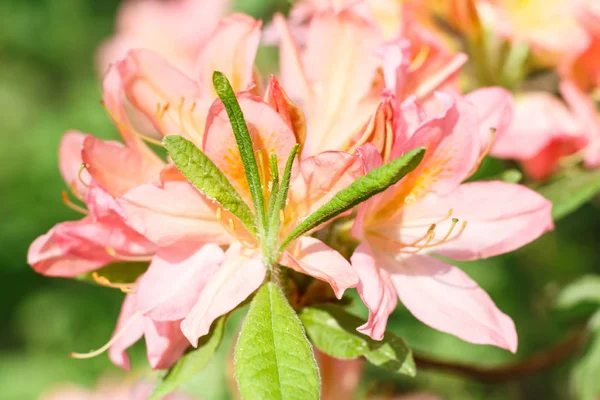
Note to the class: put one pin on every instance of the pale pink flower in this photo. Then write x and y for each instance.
(585, 111)
(336, 77)
(432, 211)
(550, 27)
(543, 131)
(584, 67)
(176, 102)
(175, 29)
(174, 212)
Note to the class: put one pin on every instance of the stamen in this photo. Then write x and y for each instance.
(485, 152)
(419, 59)
(112, 340)
(121, 126)
(83, 166)
(231, 225)
(104, 281)
(448, 215)
(180, 113)
(73, 190)
(218, 214)
(123, 257)
(71, 205)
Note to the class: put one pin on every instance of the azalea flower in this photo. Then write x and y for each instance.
(542, 132)
(431, 211)
(336, 77)
(176, 212)
(584, 67)
(174, 102)
(549, 27)
(585, 111)
(175, 29)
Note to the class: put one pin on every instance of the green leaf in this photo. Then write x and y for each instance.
(190, 363)
(205, 175)
(360, 190)
(584, 378)
(584, 290)
(273, 358)
(120, 272)
(333, 331)
(244, 142)
(571, 191)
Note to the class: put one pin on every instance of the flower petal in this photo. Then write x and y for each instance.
(130, 328)
(495, 108)
(313, 257)
(116, 168)
(239, 276)
(500, 217)
(231, 50)
(269, 133)
(69, 162)
(176, 211)
(164, 342)
(445, 298)
(376, 291)
(175, 278)
(277, 98)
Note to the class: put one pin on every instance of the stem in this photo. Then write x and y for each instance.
(536, 363)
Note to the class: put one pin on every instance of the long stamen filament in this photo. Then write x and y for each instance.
(123, 257)
(485, 152)
(71, 205)
(81, 168)
(103, 281)
(112, 340)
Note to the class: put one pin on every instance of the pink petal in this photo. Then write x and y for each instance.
(175, 278)
(445, 298)
(231, 49)
(130, 328)
(376, 291)
(116, 168)
(113, 99)
(165, 95)
(176, 211)
(317, 180)
(164, 342)
(587, 115)
(69, 162)
(239, 276)
(312, 257)
(495, 108)
(500, 217)
(269, 133)
(293, 77)
(277, 98)
(539, 119)
(47, 256)
(452, 142)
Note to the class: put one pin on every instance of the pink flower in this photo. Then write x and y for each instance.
(543, 130)
(586, 113)
(175, 214)
(337, 77)
(175, 29)
(102, 236)
(432, 211)
(550, 27)
(177, 103)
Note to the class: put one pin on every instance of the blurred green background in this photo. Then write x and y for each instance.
(48, 84)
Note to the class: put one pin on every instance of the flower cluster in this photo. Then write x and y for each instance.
(362, 86)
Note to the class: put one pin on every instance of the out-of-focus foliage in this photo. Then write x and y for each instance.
(48, 84)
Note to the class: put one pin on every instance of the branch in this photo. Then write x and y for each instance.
(538, 362)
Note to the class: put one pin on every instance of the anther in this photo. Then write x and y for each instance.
(104, 281)
(218, 214)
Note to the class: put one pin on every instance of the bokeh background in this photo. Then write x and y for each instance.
(49, 84)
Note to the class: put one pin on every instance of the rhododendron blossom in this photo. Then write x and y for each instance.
(432, 211)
